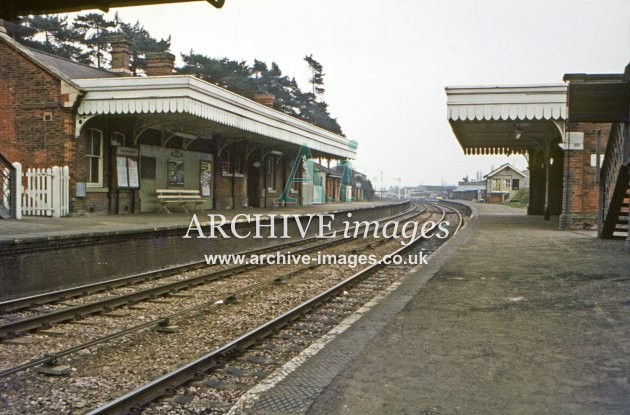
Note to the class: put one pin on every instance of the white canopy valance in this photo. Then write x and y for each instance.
(186, 94)
(507, 103)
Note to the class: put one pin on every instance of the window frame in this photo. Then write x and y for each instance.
(89, 157)
(226, 162)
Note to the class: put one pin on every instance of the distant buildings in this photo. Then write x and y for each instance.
(474, 191)
(503, 183)
(426, 192)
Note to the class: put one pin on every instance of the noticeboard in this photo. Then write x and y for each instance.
(127, 168)
(127, 172)
(121, 172)
(132, 172)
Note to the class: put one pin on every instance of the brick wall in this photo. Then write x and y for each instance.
(73, 261)
(580, 184)
(35, 129)
(223, 190)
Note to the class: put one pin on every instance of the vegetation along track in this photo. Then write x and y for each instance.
(95, 378)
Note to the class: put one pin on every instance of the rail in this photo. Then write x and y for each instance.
(51, 358)
(133, 401)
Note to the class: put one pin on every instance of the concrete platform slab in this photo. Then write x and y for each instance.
(47, 228)
(511, 316)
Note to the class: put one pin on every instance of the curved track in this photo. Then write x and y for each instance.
(151, 294)
(134, 401)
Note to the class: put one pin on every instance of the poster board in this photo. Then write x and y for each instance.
(205, 178)
(132, 172)
(175, 173)
(121, 172)
(127, 168)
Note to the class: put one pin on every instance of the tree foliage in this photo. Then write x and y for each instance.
(86, 38)
(317, 75)
(94, 31)
(248, 80)
(50, 34)
(368, 189)
(141, 43)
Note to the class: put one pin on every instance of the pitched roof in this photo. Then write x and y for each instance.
(68, 67)
(323, 169)
(503, 167)
(59, 67)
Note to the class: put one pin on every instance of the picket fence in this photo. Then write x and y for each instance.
(45, 192)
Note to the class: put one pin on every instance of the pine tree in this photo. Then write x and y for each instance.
(142, 42)
(232, 75)
(94, 30)
(284, 89)
(317, 78)
(58, 38)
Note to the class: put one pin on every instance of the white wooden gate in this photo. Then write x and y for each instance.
(46, 192)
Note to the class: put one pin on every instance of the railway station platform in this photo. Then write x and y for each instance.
(510, 316)
(42, 254)
(41, 227)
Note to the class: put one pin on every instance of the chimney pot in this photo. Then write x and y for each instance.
(265, 99)
(159, 63)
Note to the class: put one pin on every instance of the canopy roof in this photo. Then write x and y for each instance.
(506, 119)
(11, 9)
(183, 103)
(599, 97)
(185, 96)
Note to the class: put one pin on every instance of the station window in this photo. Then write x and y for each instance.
(119, 139)
(515, 184)
(270, 173)
(238, 162)
(94, 158)
(226, 161)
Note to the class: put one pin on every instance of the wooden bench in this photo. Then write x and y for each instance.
(178, 197)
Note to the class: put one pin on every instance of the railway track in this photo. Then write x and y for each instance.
(108, 303)
(159, 319)
(260, 294)
(134, 401)
(60, 296)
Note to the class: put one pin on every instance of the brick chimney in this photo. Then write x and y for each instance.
(265, 99)
(159, 63)
(121, 54)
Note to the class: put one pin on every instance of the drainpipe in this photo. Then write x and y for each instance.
(547, 157)
(233, 176)
(598, 137)
(284, 178)
(265, 182)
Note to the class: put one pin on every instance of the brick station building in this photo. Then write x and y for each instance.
(124, 137)
(564, 158)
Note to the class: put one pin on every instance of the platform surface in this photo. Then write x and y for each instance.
(38, 227)
(511, 316)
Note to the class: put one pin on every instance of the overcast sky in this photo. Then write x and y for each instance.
(386, 63)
